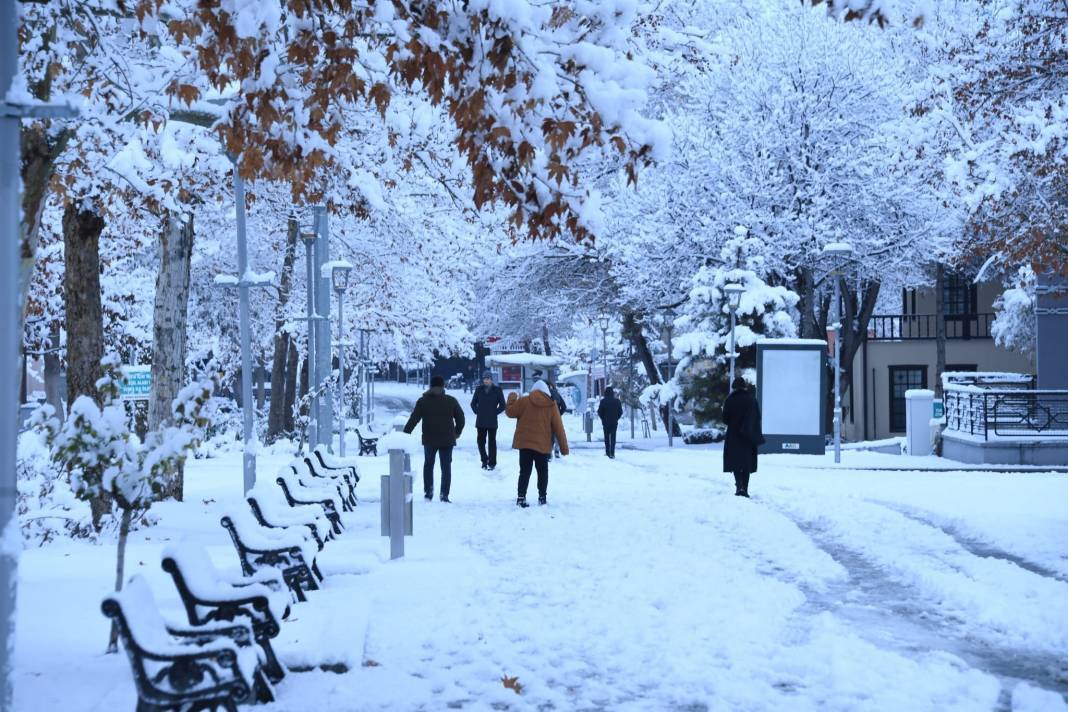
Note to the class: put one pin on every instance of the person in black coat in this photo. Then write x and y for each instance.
(741, 413)
(610, 410)
(443, 421)
(487, 403)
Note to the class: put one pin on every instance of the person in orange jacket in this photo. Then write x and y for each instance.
(539, 420)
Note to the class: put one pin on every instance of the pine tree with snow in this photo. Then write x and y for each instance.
(703, 349)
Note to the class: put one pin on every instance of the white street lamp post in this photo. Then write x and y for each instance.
(839, 252)
(734, 298)
(339, 279)
(312, 314)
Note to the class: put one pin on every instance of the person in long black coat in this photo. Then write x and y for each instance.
(487, 403)
(741, 413)
(443, 421)
(610, 410)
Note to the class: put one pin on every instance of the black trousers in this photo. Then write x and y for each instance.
(529, 459)
(444, 455)
(610, 439)
(489, 434)
(741, 482)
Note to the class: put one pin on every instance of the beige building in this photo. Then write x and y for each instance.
(900, 354)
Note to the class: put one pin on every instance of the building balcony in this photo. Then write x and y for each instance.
(922, 327)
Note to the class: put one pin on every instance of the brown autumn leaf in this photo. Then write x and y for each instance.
(512, 683)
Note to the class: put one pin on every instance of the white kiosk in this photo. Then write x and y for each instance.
(791, 383)
(516, 371)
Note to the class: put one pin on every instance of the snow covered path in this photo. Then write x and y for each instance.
(644, 585)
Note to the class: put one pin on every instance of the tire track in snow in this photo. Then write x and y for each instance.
(891, 614)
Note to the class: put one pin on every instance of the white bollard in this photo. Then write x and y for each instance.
(918, 411)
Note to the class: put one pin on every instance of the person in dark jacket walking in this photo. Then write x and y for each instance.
(741, 413)
(443, 421)
(487, 403)
(610, 410)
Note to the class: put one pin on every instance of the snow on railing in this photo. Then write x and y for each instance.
(1005, 412)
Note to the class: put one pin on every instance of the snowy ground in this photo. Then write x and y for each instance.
(644, 585)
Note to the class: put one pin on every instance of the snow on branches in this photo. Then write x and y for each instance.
(535, 91)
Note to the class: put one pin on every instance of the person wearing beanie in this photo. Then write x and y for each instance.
(443, 421)
(487, 403)
(741, 413)
(539, 420)
(610, 410)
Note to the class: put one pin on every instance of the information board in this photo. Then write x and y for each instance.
(138, 383)
(791, 382)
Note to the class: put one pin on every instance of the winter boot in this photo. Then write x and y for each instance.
(521, 502)
(541, 500)
(428, 497)
(444, 498)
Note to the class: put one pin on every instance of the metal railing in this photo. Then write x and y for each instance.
(1007, 412)
(916, 327)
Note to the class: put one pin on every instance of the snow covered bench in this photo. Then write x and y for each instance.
(271, 516)
(297, 494)
(285, 549)
(328, 486)
(208, 597)
(347, 473)
(368, 446)
(185, 667)
(316, 475)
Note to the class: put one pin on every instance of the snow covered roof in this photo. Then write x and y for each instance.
(523, 360)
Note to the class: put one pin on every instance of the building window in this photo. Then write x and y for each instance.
(903, 378)
(959, 295)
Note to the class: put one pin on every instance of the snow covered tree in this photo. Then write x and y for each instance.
(103, 457)
(1014, 322)
(702, 347)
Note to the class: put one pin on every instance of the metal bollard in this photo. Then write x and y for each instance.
(397, 502)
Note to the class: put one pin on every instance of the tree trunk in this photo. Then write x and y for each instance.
(281, 397)
(292, 366)
(632, 329)
(940, 329)
(53, 372)
(169, 329)
(81, 301)
(120, 568)
(260, 384)
(855, 323)
(808, 305)
(545, 339)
